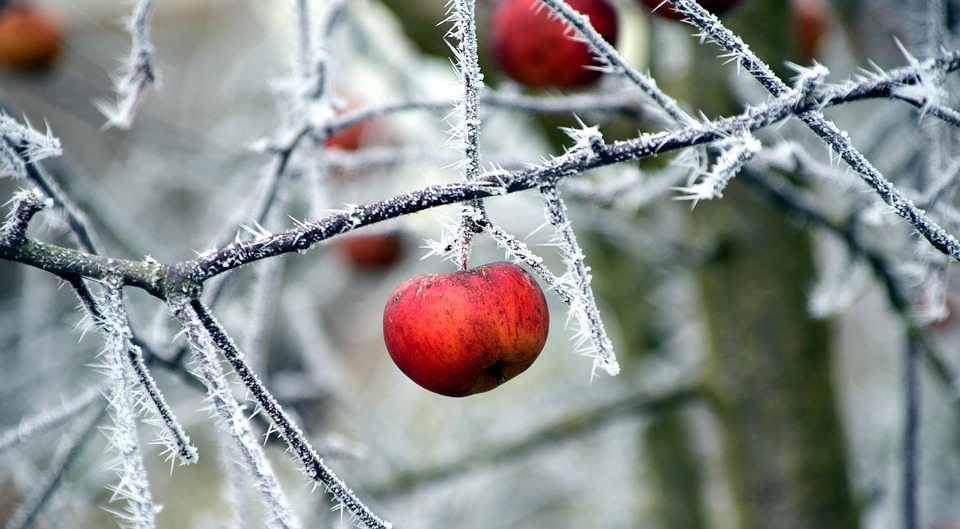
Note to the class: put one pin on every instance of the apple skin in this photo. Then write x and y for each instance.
(717, 7)
(30, 39)
(468, 331)
(536, 49)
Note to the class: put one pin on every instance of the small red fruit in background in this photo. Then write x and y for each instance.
(468, 331)
(535, 48)
(350, 138)
(810, 24)
(664, 9)
(371, 251)
(30, 39)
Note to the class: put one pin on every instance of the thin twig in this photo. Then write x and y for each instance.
(313, 465)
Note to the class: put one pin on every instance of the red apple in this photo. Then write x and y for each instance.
(468, 331)
(371, 251)
(664, 9)
(810, 24)
(29, 38)
(536, 49)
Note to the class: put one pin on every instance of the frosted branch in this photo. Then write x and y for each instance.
(518, 250)
(232, 419)
(24, 205)
(137, 75)
(712, 184)
(608, 55)
(583, 306)
(156, 278)
(467, 131)
(21, 145)
(134, 487)
(313, 465)
(835, 138)
(77, 221)
(113, 319)
(70, 448)
(48, 420)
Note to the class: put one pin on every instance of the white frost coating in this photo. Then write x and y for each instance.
(586, 139)
(46, 420)
(135, 76)
(583, 305)
(232, 419)
(732, 159)
(258, 231)
(838, 140)
(140, 512)
(33, 144)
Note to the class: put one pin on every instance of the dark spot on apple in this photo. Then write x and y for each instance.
(497, 371)
(396, 299)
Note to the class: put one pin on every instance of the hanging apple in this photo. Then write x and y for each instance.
(536, 49)
(468, 331)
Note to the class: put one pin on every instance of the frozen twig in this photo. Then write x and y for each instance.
(25, 205)
(21, 149)
(173, 436)
(156, 278)
(608, 55)
(567, 427)
(233, 420)
(48, 420)
(712, 184)
(22, 145)
(70, 448)
(466, 133)
(583, 305)
(113, 319)
(134, 487)
(711, 28)
(520, 251)
(194, 314)
(137, 75)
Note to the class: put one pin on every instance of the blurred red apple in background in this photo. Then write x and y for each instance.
(371, 251)
(810, 24)
(30, 39)
(352, 137)
(468, 331)
(535, 48)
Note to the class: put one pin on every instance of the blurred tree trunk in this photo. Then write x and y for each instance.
(769, 379)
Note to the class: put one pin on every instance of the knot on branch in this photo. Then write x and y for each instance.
(805, 91)
(180, 282)
(588, 141)
(26, 204)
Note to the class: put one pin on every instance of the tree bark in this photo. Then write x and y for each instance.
(769, 380)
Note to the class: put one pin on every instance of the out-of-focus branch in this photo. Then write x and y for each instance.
(568, 427)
